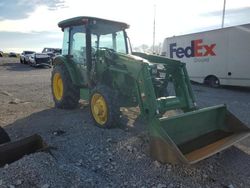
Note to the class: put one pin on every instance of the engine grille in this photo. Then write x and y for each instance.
(43, 60)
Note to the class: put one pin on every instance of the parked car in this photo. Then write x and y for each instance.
(1, 54)
(12, 54)
(52, 52)
(40, 59)
(24, 57)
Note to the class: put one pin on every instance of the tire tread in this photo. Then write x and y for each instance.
(71, 93)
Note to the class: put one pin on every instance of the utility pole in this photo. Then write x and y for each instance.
(154, 31)
(223, 14)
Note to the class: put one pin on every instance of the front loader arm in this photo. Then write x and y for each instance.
(177, 71)
(146, 94)
(131, 76)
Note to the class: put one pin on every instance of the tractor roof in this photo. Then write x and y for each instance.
(82, 20)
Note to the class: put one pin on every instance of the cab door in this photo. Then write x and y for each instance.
(77, 51)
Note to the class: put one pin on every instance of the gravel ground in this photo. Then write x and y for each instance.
(87, 156)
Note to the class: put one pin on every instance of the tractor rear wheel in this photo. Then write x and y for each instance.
(104, 106)
(65, 94)
(4, 137)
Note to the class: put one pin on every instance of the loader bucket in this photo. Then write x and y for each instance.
(12, 151)
(193, 136)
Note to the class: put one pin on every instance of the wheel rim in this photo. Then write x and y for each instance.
(99, 108)
(214, 82)
(58, 86)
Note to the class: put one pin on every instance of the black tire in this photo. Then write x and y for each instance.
(34, 64)
(24, 61)
(212, 81)
(70, 94)
(21, 61)
(4, 137)
(113, 108)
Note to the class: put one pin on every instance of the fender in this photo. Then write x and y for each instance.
(71, 67)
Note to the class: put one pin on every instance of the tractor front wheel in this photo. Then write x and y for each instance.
(212, 81)
(104, 106)
(65, 94)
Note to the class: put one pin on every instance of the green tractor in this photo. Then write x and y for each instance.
(98, 65)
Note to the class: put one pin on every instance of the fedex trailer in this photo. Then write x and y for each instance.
(216, 57)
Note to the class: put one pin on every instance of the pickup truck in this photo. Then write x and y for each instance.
(52, 52)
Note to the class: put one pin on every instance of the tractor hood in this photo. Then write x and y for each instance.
(152, 66)
(136, 58)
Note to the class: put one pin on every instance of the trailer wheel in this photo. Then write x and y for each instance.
(4, 137)
(212, 81)
(65, 94)
(104, 106)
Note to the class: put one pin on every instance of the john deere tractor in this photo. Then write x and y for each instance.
(98, 65)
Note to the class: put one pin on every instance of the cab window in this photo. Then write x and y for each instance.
(114, 41)
(78, 44)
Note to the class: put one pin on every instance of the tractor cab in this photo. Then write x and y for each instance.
(84, 36)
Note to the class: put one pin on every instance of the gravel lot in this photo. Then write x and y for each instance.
(87, 156)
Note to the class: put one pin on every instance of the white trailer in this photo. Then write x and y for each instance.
(216, 57)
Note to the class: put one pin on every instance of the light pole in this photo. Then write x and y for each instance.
(223, 14)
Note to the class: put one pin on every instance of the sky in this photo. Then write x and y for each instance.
(32, 24)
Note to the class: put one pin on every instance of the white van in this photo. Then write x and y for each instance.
(217, 57)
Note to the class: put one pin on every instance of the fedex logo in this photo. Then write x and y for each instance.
(197, 49)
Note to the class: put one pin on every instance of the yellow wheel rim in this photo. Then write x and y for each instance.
(99, 109)
(57, 86)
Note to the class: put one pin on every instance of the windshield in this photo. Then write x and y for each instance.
(29, 52)
(75, 39)
(114, 41)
